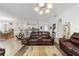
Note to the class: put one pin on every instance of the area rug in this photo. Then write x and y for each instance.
(42, 51)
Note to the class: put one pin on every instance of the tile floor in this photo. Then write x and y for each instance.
(11, 46)
(42, 51)
(14, 48)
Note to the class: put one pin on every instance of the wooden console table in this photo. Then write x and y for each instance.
(7, 35)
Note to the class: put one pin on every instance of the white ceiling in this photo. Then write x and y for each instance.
(24, 12)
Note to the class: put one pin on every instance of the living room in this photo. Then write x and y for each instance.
(39, 29)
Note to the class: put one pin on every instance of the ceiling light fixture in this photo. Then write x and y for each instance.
(40, 12)
(47, 11)
(43, 8)
(36, 9)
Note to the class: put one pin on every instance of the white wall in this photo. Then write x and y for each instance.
(1, 27)
(72, 16)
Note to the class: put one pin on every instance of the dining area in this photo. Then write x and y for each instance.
(7, 34)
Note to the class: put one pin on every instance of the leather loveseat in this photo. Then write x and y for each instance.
(40, 38)
(70, 46)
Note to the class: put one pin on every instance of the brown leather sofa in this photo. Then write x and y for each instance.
(70, 46)
(40, 38)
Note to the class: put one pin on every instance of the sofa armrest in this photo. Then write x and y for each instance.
(52, 38)
(61, 40)
(64, 39)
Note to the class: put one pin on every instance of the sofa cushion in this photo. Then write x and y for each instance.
(76, 41)
(34, 37)
(33, 40)
(45, 36)
(71, 47)
(46, 39)
(67, 44)
(34, 33)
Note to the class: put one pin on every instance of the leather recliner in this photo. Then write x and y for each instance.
(70, 46)
(40, 38)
